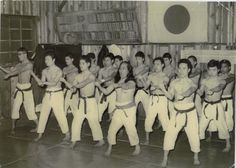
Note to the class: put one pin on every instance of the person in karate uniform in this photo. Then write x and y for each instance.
(88, 107)
(53, 97)
(212, 109)
(157, 100)
(23, 92)
(125, 111)
(182, 90)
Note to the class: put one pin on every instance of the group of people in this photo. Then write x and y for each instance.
(183, 98)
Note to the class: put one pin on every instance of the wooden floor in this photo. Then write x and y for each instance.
(19, 151)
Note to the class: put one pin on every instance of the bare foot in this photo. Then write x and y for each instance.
(108, 152)
(100, 143)
(196, 162)
(33, 130)
(38, 138)
(146, 142)
(208, 139)
(72, 145)
(137, 150)
(13, 132)
(226, 149)
(164, 163)
(66, 138)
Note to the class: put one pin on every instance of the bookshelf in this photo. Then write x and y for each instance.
(118, 26)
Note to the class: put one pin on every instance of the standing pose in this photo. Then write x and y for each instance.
(212, 110)
(125, 111)
(88, 107)
(106, 78)
(157, 100)
(53, 98)
(94, 67)
(227, 97)
(140, 74)
(23, 92)
(195, 75)
(71, 98)
(184, 116)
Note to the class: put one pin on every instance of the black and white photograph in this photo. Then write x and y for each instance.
(117, 84)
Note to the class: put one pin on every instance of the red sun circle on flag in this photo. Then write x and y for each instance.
(176, 19)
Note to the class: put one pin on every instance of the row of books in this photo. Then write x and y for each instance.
(116, 26)
(105, 36)
(111, 17)
(104, 5)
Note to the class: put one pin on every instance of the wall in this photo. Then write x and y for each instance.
(221, 24)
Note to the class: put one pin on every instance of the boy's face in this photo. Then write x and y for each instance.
(83, 65)
(224, 68)
(49, 61)
(68, 60)
(213, 71)
(157, 66)
(21, 55)
(117, 62)
(123, 71)
(140, 60)
(183, 70)
(107, 62)
(167, 61)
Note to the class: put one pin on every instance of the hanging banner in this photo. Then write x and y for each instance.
(177, 22)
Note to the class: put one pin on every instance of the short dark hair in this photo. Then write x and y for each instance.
(167, 55)
(109, 55)
(118, 57)
(140, 54)
(213, 63)
(185, 61)
(159, 59)
(86, 59)
(225, 61)
(91, 55)
(192, 57)
(69, 55)
(22, 49)
(50, 53)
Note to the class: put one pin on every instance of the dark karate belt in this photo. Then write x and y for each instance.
(183, 112)
(123, 107)
(85, 102)
(50, 92)
(104, 97)
(226, 105)
(140, 88)
(156, 95)
(72, 94)
(211, 103)
(22, 92)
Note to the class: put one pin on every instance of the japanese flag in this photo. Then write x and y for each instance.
(175, 22)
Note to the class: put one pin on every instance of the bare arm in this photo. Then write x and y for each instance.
(55, 81)
(82, 84)
(189, 92)
(218, 88)
(145, 70)
(4, 70)
(66, 83)
(170, 93)
(229, 79)
(107, 90)
(126, 86)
